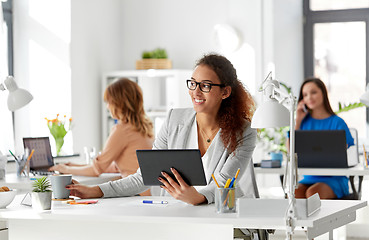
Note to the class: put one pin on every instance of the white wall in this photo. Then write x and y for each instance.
(288, 42)
(96, 47)
(111, 35)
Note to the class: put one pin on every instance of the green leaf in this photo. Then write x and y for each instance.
(349, 107)
(41, 185)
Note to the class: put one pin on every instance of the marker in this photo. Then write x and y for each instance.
(154, 202)
(227, 183)
(16, 159)
(232, 182)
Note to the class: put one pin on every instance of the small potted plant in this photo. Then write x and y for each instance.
(155, 59)
(41, 194)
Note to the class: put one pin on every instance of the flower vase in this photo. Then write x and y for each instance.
(59, 142)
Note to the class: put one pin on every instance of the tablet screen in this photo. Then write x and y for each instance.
(187, 162)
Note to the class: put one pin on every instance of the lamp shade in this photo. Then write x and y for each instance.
(18, 97)
(270, 114)
(365, 97)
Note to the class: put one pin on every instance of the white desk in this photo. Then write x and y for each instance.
(129, 218)
(352, 172)
(356, 171)
(25, 184)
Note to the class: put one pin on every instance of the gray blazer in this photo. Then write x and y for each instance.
(174, 135)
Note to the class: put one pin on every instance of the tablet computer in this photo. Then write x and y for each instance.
(187, 162)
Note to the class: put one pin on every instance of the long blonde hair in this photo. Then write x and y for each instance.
(126, 103)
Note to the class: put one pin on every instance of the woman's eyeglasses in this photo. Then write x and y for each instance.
(204, 86)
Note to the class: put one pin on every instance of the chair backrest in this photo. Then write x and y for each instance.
(353, 151)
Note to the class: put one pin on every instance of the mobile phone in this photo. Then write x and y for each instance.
(305, 108)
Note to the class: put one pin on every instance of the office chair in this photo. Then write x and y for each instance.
(353, 159)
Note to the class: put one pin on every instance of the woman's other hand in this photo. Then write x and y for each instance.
(301, 113)
(83, 191)
(181, 190)
(61, 168)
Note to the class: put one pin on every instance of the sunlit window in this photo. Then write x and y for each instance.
(339, 60)
(335, 47)
(317, 5)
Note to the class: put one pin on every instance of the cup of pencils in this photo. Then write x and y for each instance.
(23, 163)
(225, 200)
(225, 197)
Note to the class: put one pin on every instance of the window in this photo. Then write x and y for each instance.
(336, 51)
(317, 5)
(6, 68)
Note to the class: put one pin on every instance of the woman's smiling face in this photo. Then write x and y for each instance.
(312, 95)
(206, 102)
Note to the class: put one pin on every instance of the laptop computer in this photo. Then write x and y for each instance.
(187, 162)
(42, 159)
(321, 148)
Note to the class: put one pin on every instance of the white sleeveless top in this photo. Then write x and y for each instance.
(192, 143)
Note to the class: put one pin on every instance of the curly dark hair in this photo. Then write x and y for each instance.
(237, 108)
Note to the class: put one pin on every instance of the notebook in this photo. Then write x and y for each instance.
(42, 159)
(321, 148)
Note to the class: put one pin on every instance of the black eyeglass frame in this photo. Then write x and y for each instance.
(203, 82)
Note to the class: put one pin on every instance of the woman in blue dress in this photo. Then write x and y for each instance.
(314, 112)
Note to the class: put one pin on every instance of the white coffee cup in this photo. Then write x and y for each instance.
(58, 184)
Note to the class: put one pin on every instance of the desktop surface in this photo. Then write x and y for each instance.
(126, 217)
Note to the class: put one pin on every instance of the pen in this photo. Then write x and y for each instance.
(365, 157)
(212, 175)
(29, 158)
(234, 179)
(227, 183)
(232, 182)
(16, 159)
(154, 202)
(238, 171)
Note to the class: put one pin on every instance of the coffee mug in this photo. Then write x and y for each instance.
(58, 184)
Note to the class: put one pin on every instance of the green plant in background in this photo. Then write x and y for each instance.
(274, 139)
(351, 106)
(158, 53)
(41, 185)
(58, 130)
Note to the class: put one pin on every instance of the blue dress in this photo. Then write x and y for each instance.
(339, 184)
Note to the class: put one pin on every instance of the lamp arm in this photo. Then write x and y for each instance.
(271, 89)
(289, 102)
(291, 215)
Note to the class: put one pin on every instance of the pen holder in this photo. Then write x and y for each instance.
(3, 162)
(22, 168)
(225, 200)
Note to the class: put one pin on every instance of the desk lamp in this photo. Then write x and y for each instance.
(365, 97)
(278, 110)
(18, 97)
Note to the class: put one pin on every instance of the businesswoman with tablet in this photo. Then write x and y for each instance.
(218, 125)
(133, 131)
(314, 112)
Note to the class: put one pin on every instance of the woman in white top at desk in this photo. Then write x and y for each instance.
(314, 112)
(218, 124)
(133, 131)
